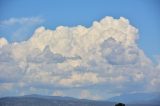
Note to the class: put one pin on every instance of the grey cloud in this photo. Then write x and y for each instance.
(116, 54)
(5, 57)
(10, 72)
(45, 56)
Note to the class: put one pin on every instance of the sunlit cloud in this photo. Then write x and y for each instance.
(105, 54)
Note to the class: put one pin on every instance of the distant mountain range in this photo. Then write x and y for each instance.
(40, 100)
(50, 97)
(138, 98)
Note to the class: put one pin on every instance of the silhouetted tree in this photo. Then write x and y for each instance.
(119, 104)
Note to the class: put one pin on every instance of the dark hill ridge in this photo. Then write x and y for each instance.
(39, 100)
(50, 97)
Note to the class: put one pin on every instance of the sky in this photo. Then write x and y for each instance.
(54, 29)
(143, 14)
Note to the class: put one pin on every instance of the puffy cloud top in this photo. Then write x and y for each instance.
(3, 42)
(74, 40)
(106, 54)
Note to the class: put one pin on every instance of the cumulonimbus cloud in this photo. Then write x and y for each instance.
(104, 54)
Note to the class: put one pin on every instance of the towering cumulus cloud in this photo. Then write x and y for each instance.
(104, 56)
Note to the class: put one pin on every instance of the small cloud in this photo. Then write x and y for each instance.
(21, 21)
(3, 42)
(85, 94)
(6, 86)
(58, 93)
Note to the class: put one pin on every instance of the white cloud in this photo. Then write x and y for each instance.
(85, 94)
(81, 79)
(3, 42)
(6, 86)
(106, 54)
(24, 20)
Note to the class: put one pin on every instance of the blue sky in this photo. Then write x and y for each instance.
(77, 65)
(144, 14)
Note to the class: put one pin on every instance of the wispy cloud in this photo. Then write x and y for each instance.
(18, 29)
(22, 21)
